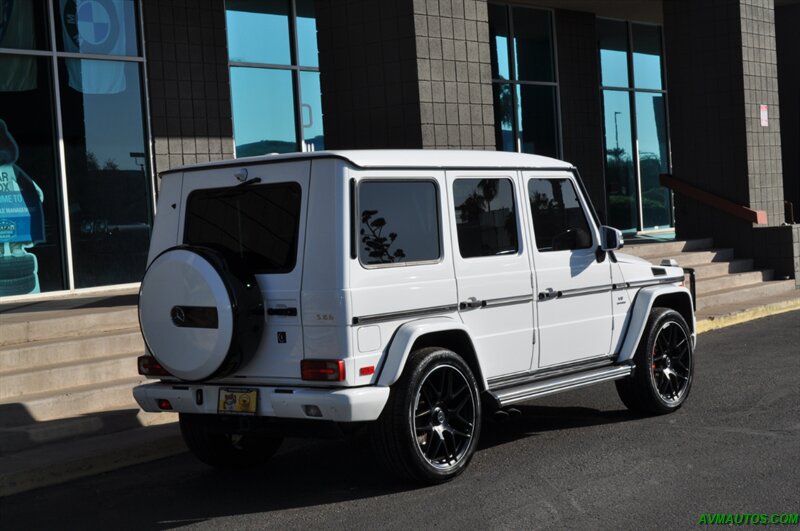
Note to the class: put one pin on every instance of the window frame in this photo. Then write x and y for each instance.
(581, 201)
(515, 82)
(517, 215)
(294, 67)
(356, 221)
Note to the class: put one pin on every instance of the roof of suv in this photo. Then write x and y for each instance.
(407, 158)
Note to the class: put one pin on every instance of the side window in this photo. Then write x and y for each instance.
(559, 222)
(399, 222)
(486, 220)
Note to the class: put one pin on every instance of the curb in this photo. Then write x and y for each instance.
(750, 314)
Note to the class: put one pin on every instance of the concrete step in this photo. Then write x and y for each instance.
(40, 354)
(66, 375)
(716, 269)
(18, 328)
(708, 285)
(19, 438)
(75, 401)
(741, 294)
(59, 462)
(646, 250)
(695, 258)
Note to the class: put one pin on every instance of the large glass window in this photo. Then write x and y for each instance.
(275, 89)
(486, 220)
(635, 122)
(85, 223)
(524, 80)
(399, 222)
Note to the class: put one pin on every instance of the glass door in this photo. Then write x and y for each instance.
(636, 135)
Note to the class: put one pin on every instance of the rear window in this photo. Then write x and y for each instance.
(258, 223)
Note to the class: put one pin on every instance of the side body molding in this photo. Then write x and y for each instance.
(646, 298)
(403, 341)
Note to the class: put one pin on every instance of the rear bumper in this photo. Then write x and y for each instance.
(338, 405)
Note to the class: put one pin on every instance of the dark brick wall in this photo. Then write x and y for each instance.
(189, 86)
(721, 67)
(368, 67)
(405, 73)
(581, 111)
(779, 248)
(455, 74)
(787, 36)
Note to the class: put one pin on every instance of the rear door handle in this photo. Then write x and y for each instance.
(548, 294)
(471, 304)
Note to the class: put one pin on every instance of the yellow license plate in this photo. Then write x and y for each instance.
(238, 401)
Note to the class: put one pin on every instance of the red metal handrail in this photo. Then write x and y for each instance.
(715, 201)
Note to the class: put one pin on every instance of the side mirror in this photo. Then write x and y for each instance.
(611, 238)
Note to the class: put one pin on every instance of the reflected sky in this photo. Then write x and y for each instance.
(263, 105)
(258, 32)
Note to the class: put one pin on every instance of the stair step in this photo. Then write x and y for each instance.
(59, 462)
(743, 293)
(17, 328)
(19, 438)
(82, 400)
(66, 375)
(645, 250)
(715, 269)
(695, 258)
(708, 285)
(39, 354)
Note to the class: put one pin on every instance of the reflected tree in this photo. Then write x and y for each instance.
(375, 243)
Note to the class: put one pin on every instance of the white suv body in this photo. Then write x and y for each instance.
(364, 258)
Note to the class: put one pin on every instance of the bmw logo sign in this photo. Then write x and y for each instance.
(92, 25)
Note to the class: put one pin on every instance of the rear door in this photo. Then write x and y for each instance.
(492, 269)
(258, 212)
(574, 304)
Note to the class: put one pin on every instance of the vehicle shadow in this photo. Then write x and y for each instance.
(310, 473)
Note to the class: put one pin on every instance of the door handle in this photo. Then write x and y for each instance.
(471, 304)
(548, 294)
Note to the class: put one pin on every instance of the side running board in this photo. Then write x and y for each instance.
(549, 386)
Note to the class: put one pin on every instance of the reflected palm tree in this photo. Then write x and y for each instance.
(377, 245)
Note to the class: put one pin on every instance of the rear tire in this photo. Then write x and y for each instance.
(429, 429)
(664, 369)
(226, 450)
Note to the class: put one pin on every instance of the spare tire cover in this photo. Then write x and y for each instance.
(201, 313)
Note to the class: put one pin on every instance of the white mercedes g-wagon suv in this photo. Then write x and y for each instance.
(413, 293)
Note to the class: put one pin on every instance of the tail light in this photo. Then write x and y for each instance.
(148, 366)
(322, 370)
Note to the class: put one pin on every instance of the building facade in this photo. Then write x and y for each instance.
(98, 96)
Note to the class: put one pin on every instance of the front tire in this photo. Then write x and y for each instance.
(664, 369)
(218, 448)
(430, 427)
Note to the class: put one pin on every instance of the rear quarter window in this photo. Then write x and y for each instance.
(260, 224)
(398, 222)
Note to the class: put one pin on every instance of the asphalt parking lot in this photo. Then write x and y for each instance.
(573, 461)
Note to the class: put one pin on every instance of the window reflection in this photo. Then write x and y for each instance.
(258, 32)
(31, 253)
(647, 56)
(23, 25)
(653, 158)
(104, 28)
(538, 122)
(306, 34)
(106, 175)
(498, 41)
(504, 117)
(486, 219)
(399, 222)
(533, 45)
(311, 115)
(620, 176)
(263, 111)
(612, 36)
